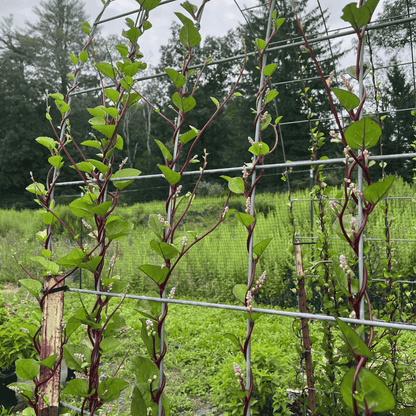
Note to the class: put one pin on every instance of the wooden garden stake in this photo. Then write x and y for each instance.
(305, 327)
(51, 344)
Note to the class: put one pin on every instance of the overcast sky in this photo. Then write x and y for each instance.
(219, 16)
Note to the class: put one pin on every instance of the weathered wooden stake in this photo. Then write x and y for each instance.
(305, 327)
(53, 311)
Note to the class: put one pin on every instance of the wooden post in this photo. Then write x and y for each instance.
(305, 326)
(53, 311)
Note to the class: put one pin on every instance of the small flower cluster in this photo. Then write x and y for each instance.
(329, 81)
(80, 376)
(110, 287)
(261, 280)
(238, 373)
(150, 330)
(251, 141)
(245, 173)
(264, 116)
(151, 380)
(184, 240)
(353, 222)
(248, 205)
(63, 324)
(15, 389)
(24, 330)
(79, 356)
(343, 264)
(126, 329)
(352, 189)
(123, 163)
(366, 155)
(172, 293)
(333, 205)
(249, 299)
(303, 49)
(84, 326)
(266, 94)
(149, 411)
(113, 261)
(335, 137)
(162, 220)
(226, 209)
(178, 190)
(346, 83)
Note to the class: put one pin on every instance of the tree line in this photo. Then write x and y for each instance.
(37, 58)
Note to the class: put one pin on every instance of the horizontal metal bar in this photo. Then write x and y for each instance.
(410, 240)
(395, 281)
(68, 406)
(341, 199)
(272, 166)
(276, 48)
(128, 13)
(316, 317)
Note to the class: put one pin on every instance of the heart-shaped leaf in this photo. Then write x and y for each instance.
(366, 131)
(240, 291)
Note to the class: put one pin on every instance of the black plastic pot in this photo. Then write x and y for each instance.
(7, 396)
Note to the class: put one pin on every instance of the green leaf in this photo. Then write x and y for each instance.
(370, 388)
(232, 338)
(48, 218)
(49, 362)
(113, 95)
(74, 59)
(92, 143)
(271, 96)
(165, 250)
(46, 253)
(138, 405)
(27, 369)
(62, 106)
(81, 207)
(253, 316)
(260, 247)
(97, 121)
(185, 20)
(177, 78)
(171, 176)
(56, 161)
(115, 230)
(261, 44)
(110, 389)
(165, 152)
(71, 326)
(123, 49)
(149, 308)
(357, 17)
(156, 273)
(189, 135)
(106, 69)
(83, 56)
(265, 123)
(229, 212)
(48, 265)
(239, 292)
(78, 387)
(215, 101)
(269, 69)
(379, 190)
(190, 8)
(146, 25)
(99, 165)
(189, 36)
(101, 209)
(33, 286)
(107, 130)
(355, 343)
(279, 23)
(156, 226)
(259, 148)
(125, 173)
(57, 96)
(150, 4)
(352, 70)
(348, 100)
(185, 104)
(73, 259)
(84, 167)
(236, 185)
(48, 142)
(36, 188)
(145, 369)
(365, 131)
(245, 219)
(132, 34)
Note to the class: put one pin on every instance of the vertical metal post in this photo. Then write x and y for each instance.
(253, 178)
(310, 189)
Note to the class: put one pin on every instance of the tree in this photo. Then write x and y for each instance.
(398, 133)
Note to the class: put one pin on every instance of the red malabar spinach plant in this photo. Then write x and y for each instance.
(362, 390)
(171, 244)
(240, 185)
(98, 208)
